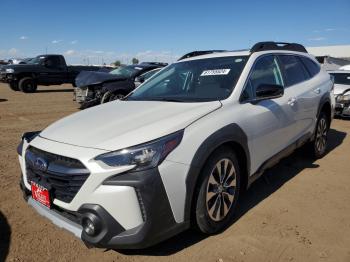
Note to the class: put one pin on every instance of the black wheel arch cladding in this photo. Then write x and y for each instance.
(233, 136)
(325, 105)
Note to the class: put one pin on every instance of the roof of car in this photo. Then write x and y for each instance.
(260, 47)
(239, 53)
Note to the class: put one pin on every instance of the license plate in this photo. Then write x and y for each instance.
(41, 194)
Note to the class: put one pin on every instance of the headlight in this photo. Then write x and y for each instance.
(143, 156)
(343, 98)
(10, 70)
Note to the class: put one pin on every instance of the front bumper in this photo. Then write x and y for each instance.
(158, 220)
(7, 78)
(80, 94)
(342, 109)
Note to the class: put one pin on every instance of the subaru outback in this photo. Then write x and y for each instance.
(178, 151)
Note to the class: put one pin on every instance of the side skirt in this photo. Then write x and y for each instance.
(276, 158)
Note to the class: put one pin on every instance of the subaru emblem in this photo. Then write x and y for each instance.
(40, 164)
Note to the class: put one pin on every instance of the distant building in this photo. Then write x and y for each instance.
(337, 51)
(331, 57)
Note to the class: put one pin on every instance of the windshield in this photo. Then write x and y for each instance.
(35, 61)
(126, 71)
(193, 81)
(341, 78)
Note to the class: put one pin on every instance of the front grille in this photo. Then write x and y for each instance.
(63, 176)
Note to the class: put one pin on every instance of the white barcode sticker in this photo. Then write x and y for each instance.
(215, 72)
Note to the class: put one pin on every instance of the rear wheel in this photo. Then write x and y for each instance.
(27, 85)
(14, 86)
(218, 193)
(319, 144)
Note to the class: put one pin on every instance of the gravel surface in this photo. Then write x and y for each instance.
(300, 212)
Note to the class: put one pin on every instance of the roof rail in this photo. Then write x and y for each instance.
(264, 46)
(198, 53)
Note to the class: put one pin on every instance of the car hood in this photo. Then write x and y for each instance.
(121, 124)
(340, 89)
(86, 78)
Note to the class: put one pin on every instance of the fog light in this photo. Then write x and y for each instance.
(91, 224)
(89, 227)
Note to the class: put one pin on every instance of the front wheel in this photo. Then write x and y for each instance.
(27, 85)
(218, 193)
(14, 86)
(319, 144)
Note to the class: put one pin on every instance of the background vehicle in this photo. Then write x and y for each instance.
(341, 92)
(94, 88)
(178, 150)
(42, 70)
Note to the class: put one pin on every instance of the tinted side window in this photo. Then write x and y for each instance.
(310, 65)
(293, 69)
(265, 71)
(54, 62)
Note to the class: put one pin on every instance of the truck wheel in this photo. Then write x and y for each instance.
(27, 85)
(218, 191)
(14, 86)
(319, 144)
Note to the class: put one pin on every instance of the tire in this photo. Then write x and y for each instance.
(109, 96)
(14, 86)
(27, 85)
(319, 143)
(211, 216)
(106, 97)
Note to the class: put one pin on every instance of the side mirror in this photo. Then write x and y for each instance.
(268, 91)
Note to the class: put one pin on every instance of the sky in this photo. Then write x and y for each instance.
(154, 30)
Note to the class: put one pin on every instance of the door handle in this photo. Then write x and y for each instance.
(317, 90)
(292, 101)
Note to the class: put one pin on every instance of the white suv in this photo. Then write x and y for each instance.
(179, 149)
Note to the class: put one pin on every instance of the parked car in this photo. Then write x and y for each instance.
(341, 92)
(180, 148)
(42, 70)
(94, 88)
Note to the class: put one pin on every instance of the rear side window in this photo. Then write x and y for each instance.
(311, 66)
(293, 69)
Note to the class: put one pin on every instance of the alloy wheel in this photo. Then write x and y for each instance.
(321, 135)
(221, 189)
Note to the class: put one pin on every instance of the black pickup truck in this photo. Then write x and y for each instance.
(41, 70)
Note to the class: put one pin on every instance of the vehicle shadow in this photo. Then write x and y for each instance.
(3, 100)
(266, 185)
(5, 237)
(55, 90)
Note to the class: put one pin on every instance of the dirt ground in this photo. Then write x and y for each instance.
(300, 212)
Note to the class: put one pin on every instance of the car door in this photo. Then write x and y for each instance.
(304, 92)
(55, 70)
(267, 123)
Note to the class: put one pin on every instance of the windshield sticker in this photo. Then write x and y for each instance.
(215, 72)
(238, 60)
(138, 68)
